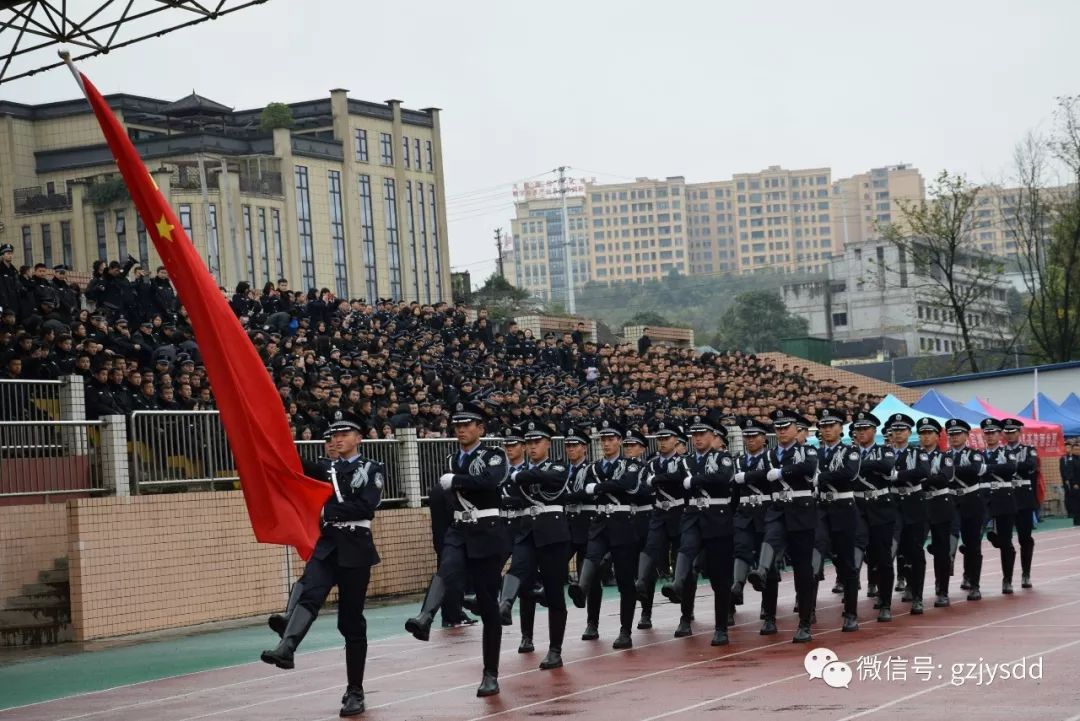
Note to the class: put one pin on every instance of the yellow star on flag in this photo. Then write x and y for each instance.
(164, 229)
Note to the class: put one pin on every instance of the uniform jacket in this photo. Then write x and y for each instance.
(839, 467)
(478, 478)
(799, 466)
(619, 485)
(710, 478)
(665, 476)
(1001, 468)
(1027, 468)
(579, 521)
(544, 484)
(970, 467)
(875, 474)
(360, 482)
(940, 509)
(911, 469)
(752, 516)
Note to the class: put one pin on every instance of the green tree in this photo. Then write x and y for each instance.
(276, 115)
(502, 299)
(648, 318)
(756, 322)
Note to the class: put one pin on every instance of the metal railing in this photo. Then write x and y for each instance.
(185, 450)
(29, 400)
(52, 457)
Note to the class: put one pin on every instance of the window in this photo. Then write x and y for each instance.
(367, 228)
(213, 249)
(121, 236)
(140, 236)
(27, 245)
(839, 319)
(337, 235)
(46, 245)
(360, 138)
(435, 242)
(65, 243)
(275, 228)
(393, 246)
(405, 150)
(303, 222)
(430, 156)
(249, 243)
(386, 149)
(423, 239)
(416, 154)
(264, 246)
(411, 225)
(102, 239)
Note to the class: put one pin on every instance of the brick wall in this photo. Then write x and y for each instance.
(31, 538)
(146, 563)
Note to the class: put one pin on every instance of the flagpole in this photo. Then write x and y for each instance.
(66, 57)
(1035, 407)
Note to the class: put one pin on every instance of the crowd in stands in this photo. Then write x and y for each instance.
(395, 364)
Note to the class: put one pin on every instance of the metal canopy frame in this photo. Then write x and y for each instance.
(31, 29)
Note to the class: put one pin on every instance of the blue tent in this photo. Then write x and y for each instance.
(941, 406)
(1072, 405)
(889, 406)
(1053, 413)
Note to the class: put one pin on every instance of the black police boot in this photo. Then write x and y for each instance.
(673, 591)
(838, 587)
(526, 645)
(510, 586)
(553, 659)
(768, 627)
(976, 572)
(719, 637)
(591, 632)
(901, 584)
(765, 561)
(623, 640)
(942, 595)
(468, 602)
(965, 584)
(1025, 580)
(352, 704)
(646, 577)
(884, 615)
(741, 571)
(683, 628)
(489, 685)
(992, 536)
(645, 622)
(299, 624)
(802, 635)
(1008, 561)
(871, 590)
(579, 591)
(731, 617)
(851, 623)
(917, 606)
(420, 625)
(537, 594)
(1027, 550)
(278, 621)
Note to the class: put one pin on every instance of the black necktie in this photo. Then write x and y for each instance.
(607, 467)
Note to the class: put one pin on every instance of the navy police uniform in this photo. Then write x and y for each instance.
(877, 506)
(1001, 501)
(839, 466)
(581, 508)
(970, 469)
(1024, 486)
(910, 472)
(750, 515)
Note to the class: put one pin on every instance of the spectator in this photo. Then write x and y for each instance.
(644, 342)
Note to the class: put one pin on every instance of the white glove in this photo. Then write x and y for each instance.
(590, 488)
(774, 474)
(893, 476)
(514, 475)
(686, 483)
(648, 480)
(446, 480)
(740, 478)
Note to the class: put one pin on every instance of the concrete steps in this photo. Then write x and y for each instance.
(41, 613)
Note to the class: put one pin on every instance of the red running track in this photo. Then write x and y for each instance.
(663, 677)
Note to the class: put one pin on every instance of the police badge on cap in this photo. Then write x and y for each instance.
(467, 413)
(928, 425)
(865, 419)
(957, 425)
(345, 421)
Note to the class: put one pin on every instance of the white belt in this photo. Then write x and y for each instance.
(537, 510)
(968, 489)
(609, 508)
(509, 512)
(997, 485)
(666, 505)
(581, 508)
(350, 524)
(702, 502)
(1021, 483)
(940, 492)
(755, 500)
(788, 495)
(472, 516)
(829, 496)
(642, 509)
(908, 490)
(873, 494)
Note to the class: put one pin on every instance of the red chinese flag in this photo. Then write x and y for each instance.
(283, 504)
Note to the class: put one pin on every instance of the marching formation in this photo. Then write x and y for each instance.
(691, 509)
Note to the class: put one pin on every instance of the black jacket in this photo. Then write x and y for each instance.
(358, 485)
(477, 481)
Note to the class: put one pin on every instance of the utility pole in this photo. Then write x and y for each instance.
(571, 305)
(498, 249)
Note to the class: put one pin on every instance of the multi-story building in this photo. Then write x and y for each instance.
(872, 290)
(637, 230)
(536, 257)
(865, 203)
(350, 198)
(776, 220)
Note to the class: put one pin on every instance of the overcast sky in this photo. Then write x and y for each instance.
(629, 88)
